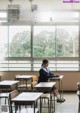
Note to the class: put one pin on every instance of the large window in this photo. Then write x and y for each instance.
(57, 37)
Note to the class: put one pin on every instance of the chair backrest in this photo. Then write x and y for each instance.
(35, 78)
(13, 94)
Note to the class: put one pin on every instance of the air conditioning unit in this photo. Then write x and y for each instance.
(13, 12)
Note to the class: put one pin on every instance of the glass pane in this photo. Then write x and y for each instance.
(67, 41)
(19, 41)
(3, 42)
(44, 41)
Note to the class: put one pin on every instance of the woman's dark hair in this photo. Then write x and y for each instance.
(45, 61)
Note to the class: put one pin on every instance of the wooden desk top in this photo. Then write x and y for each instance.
(27, 97)
(24, 76)
(57, 78)
(45, 86)
(8, 82)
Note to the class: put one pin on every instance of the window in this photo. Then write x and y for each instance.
(44, 41)
(19, 41)
(67, 41)
(23, 47)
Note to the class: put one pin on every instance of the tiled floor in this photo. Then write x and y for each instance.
(69, 106)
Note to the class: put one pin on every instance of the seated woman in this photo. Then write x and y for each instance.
(45, 74)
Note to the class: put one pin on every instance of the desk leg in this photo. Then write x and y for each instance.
(62, 87)
(40, 105)
(26, 86)
(10, 108)
(34, 107)
(54, 102)
(50, 102)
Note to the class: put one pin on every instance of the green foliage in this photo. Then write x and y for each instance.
(20, 45)
(45, 44)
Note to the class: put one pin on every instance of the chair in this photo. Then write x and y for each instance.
(34, 81)
(45, 97)
(12, 95)
(5, 96)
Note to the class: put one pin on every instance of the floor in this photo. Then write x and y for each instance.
(69, 106)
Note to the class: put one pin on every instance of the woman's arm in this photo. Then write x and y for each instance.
(53, 75)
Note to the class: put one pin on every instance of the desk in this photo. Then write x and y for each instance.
(25, 78)
(27, 98)
(47, 86)
(8, 84)
(59, 79)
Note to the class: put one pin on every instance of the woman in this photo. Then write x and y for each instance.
(45, 74)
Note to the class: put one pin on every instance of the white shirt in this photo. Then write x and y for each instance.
(45, 69)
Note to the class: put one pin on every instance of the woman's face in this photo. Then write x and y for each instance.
(46, 65)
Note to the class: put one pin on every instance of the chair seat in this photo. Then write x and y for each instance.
(46, 95)
(4, 95)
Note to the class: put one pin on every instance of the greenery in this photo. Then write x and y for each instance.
(45, 44)
(20, 45)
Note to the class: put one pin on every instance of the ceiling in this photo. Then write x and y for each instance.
(43, 6)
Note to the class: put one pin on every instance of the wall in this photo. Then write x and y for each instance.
(69, 81)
